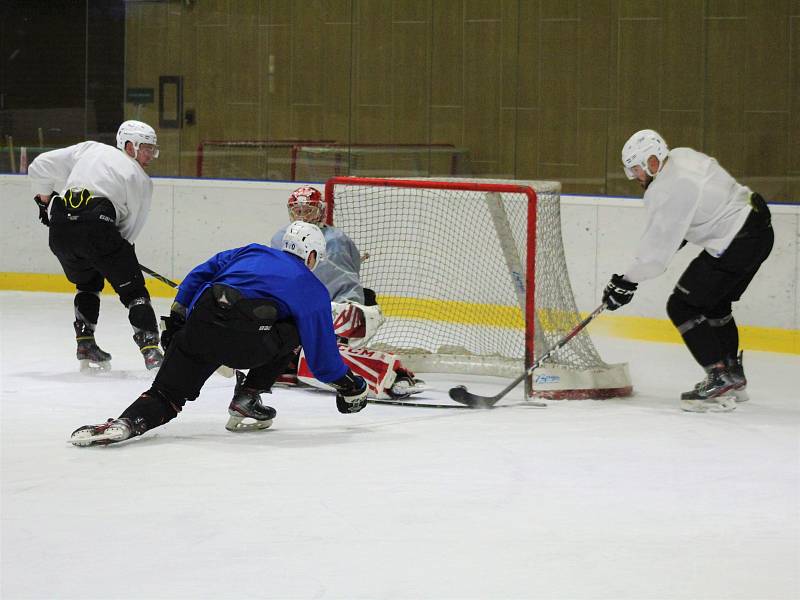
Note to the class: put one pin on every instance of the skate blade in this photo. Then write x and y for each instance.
(741, 395)
(238, 424)
(92, 367)
(718, 404)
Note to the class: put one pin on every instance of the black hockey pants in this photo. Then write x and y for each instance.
(222, 329)
(90, 249)
(700, 304)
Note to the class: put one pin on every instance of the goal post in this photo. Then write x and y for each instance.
(472, 278)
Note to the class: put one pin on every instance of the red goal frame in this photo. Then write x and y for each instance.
(530, 266)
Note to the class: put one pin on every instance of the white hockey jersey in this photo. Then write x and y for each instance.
(103, 170)
(341, 269)
(694, 199)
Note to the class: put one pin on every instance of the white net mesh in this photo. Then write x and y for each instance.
(449, 268)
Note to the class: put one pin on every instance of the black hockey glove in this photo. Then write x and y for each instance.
(351, 393)
(172, 324)
(43, 209)
(618, 292)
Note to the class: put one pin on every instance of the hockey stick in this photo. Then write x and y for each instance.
(462, 395)
(415, 404)
(461, 406)
(161, 278)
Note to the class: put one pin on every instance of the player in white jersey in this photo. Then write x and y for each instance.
(356, 314)
(95, 198)
(689, 197)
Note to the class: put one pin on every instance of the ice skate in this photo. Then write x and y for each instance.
(713, 394)
(91, 358)
(736, 371)
(406, 385)
(148, 345)
(110, 432)
(246, 404)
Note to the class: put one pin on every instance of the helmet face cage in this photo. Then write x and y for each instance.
(640, 147)
(137, 133)
(301, 239)
(306, 204)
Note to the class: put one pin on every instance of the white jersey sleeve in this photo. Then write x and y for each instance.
(49, 171)
(692, 199)
(106, 172)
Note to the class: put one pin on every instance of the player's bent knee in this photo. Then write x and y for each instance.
(135, 296)
(720, 312)
(679, 311)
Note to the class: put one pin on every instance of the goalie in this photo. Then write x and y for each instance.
(356, 314)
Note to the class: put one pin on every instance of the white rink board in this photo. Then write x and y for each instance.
(192, 219)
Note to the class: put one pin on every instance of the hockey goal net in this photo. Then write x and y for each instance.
(472, 278)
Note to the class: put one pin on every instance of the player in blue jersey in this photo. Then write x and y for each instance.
(248, 308)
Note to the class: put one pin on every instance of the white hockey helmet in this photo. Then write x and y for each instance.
(302, 238)
(640, 147)
(307, 204)
(137, 132)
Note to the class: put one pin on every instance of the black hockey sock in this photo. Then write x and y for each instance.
(701, 342)
(727, 335)
(263, 377)
(142, 316)
(150, 410)
(87, 307)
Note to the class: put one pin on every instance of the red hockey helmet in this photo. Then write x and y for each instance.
(307, 204)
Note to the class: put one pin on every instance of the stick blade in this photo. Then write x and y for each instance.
(462, 395)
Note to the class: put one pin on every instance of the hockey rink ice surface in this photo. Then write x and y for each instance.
(627, 498)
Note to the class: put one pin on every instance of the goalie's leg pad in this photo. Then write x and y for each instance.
(385, 375)
(376, 367)
(355, 322)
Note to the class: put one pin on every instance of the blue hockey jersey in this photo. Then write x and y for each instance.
(261, 272)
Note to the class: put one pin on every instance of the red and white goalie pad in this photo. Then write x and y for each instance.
(355, 322)
(379, 369)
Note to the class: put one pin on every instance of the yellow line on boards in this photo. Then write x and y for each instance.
(47, 282)
(768, 339)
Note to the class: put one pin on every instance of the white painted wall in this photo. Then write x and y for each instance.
(193, 219)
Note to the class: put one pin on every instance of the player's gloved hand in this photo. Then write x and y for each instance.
(42, 205)
(618, 292)
(172, 324)
(351, 393)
